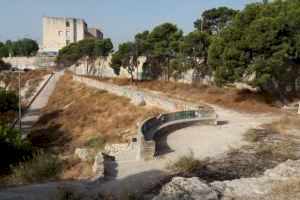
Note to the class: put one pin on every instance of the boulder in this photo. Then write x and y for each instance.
(115, 148)
(186, 188)
(98, 166)
(83, 154)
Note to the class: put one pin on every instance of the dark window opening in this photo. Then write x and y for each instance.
(67, 24)
(68, 42)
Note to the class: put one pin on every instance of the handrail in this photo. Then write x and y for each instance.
(33, 99)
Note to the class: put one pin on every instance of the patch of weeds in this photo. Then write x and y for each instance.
(185, 164)
(96, 143)
(289, 186)
(143, 103)
(99, 92)
(67, 193)
(42, 167)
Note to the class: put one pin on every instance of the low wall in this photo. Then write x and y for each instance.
(139, 96)
(167, 123)
(24, 62)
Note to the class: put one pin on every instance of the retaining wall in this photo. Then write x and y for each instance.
(167, 123)
(139, 96)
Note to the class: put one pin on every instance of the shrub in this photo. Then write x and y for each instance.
(42, 167)
(186, 163)
(12, 148)
(96, 143)
(251, 136)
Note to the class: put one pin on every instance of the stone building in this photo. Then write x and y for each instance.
(59, 32)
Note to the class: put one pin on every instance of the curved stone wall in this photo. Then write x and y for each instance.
(170, 122)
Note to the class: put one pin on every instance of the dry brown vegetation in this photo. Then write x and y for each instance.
(79, 116)
(242, 100)
(33, 75)
(288, 123)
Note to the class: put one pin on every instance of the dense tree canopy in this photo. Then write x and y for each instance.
(125, 57)
(23, 47)
(88, 47)
(214, 20)
(262, 41)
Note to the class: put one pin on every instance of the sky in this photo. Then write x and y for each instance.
(119, 20)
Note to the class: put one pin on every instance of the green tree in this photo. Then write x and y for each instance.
(165, 40)
(193, 53)
(23, 47)
(90, 48)
(214, 20)
(125, 57)
(262, 41)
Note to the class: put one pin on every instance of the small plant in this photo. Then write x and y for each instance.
(251, 136)
(96, 143)
(99, 92)
(186, 163)
(42, 167)
(143, 103)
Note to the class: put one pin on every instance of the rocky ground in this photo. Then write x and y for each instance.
(281, 182)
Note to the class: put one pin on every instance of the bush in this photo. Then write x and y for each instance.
(185, 164)
(12, 148)
(42, 167)
(8, 100)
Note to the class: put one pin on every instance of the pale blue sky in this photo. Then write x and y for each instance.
(119, 19)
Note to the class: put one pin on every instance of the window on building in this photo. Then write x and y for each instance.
(67, 24)
(67, 42)
(68, 33)
(60, 33)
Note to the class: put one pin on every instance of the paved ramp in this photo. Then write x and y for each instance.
(33, 113)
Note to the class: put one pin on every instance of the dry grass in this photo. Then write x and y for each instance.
(289, 189)
(241, 100)
(77, 116)
(186, 164)
(73, 168)
(288, 123)
(30, 75)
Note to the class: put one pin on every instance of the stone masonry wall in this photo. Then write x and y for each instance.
(139, 96)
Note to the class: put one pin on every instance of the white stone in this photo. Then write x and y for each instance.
(185, 189)
(82, 154)
(115, 148)
(98, 166)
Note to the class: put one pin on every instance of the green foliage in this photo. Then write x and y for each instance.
(90, 48)
(8, 100)
(125, 57)
(262, 40)
(12, 148)
(214, 20)
(186, 163)
(23, 47)
(42, 167)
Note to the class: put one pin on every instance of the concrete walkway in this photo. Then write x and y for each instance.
(33, 113)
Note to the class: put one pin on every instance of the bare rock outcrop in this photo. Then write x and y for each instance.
(185, 189)
(83, 154)
(281, 182)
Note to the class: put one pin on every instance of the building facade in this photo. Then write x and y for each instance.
(59, 32)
